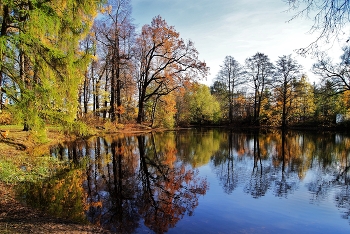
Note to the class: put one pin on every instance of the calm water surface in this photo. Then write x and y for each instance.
(203, 181)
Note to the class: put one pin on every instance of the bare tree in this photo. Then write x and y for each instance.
(338, 75)
(329, 18)
(116, 33)
(259, 70)
(230, 75)
(287, 71)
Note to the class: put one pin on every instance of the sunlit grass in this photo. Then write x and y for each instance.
(28, 168)
(11, 127)
(22, 159)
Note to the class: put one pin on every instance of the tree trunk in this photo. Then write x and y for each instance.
(284, 112)
(26, 126)
(118, 93)
(284, 107)
(106, 103)
(140, 113)
(1, 94)
(154, 106)
(85, 94)
(97, 99)
(113, 88)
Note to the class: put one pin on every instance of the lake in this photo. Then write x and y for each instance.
(203, 181)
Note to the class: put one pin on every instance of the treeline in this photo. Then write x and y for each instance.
(279, 94)
(65, 62)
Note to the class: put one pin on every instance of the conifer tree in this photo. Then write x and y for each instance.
(39, 53)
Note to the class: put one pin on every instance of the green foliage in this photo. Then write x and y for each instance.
(197, 148)
(165, 111)
(201, 105)
(77, 128)
(220, 92)
(329, 103)
(9, 172)
(42, 60)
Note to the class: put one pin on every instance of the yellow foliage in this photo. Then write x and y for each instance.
(5, 118)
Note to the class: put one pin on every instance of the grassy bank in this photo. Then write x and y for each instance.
(22, 158)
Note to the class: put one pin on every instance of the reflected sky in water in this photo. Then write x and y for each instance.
(205, 181)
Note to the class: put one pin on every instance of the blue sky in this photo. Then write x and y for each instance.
(238, 28)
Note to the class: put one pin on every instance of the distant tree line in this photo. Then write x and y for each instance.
(263, 93)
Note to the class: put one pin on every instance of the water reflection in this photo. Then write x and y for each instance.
(135, 178)
(129, 183)
(279, 161)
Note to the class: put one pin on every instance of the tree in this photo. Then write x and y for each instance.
(304, 100)
(230, 75)
(337, 74)
(164, 61)
(39, 54)
(220, 92)
(88, 45)
(259, 70)
(116, 33)
(330, 17)
(201, 105)
(287, 71)
(163, 110)
(329, 103)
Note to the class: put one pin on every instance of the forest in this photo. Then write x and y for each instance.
(75, 63)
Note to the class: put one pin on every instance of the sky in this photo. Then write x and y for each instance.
(238, 28)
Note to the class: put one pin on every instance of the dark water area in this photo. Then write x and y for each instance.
(203, 181)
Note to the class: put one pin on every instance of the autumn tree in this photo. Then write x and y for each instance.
(98, 74)
(116, 33)
(40, 55)
(164, 62)
(287, 72)
(304, 100)
(163, 110)
(230, 76)
(259, 70)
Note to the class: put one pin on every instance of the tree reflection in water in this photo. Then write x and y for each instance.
(269, 168)
(152, 179)
(169, 190)
(279, 160)
(259, 181)
(136, 178)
